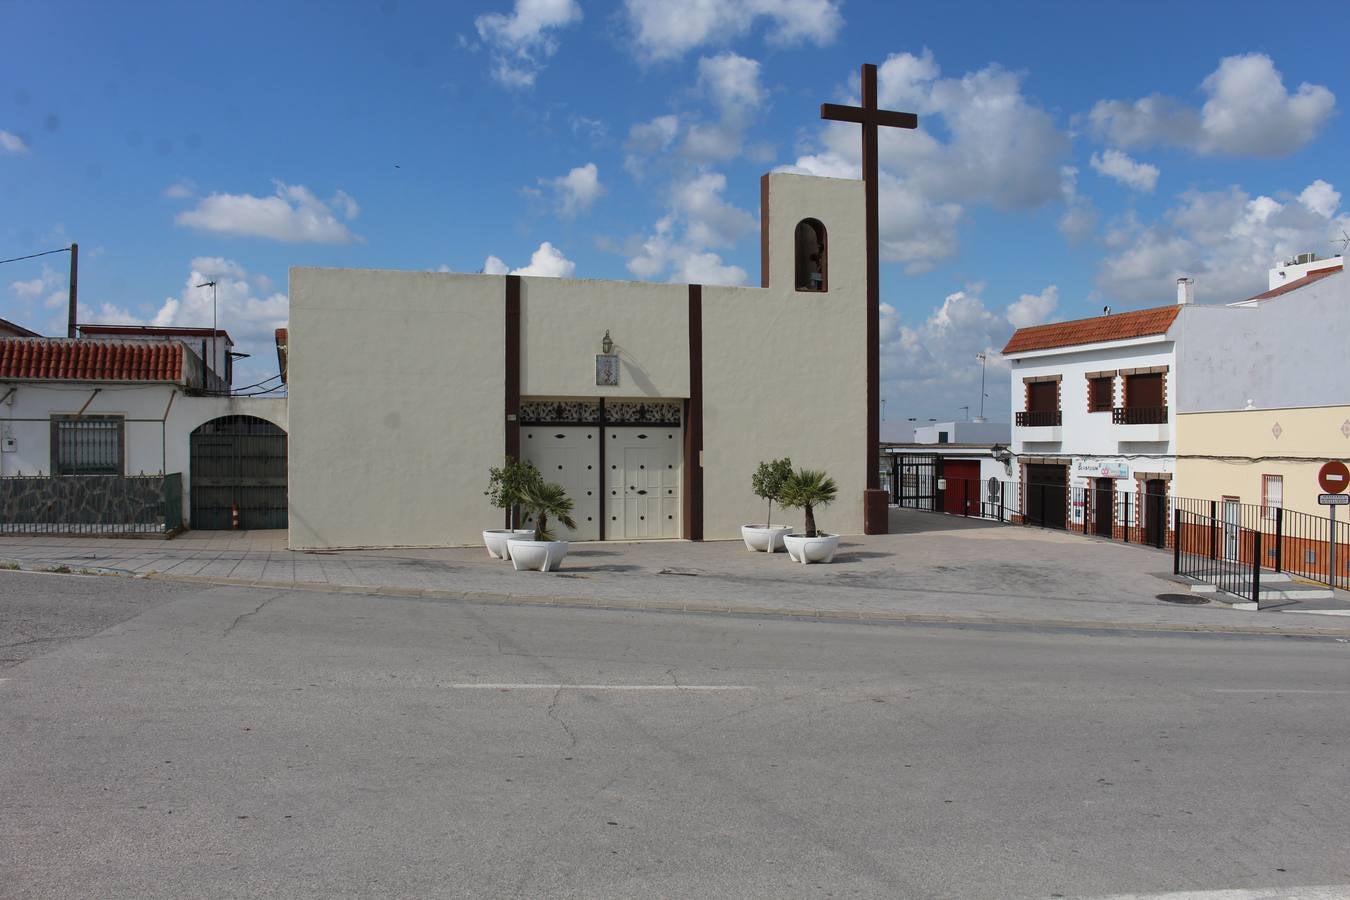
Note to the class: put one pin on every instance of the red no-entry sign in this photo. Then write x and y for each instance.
(1334, 477)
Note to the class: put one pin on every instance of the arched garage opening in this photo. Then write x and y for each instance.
(238, 474)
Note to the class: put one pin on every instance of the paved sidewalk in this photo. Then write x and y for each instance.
(932, 568)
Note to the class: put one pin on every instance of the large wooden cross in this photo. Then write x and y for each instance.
(867, 115)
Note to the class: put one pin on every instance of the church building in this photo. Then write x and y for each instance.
(652, 404)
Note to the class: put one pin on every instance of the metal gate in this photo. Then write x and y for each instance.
(916, 484)
(238, 474)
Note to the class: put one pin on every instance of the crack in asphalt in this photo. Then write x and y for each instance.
(242, 616)
(553, 714)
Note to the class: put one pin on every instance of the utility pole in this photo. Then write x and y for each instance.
(74, 290)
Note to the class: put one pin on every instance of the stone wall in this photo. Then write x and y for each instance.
(105, 504)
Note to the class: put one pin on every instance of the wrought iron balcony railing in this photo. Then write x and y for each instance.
(1039, 418)
(1139, 415)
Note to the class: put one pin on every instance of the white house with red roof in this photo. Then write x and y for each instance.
(1109, 404)
(101, 432)
(1091, 411)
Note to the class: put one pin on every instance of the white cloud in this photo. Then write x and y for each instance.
(1033, 309)
(1248, 112)
(12, 143)
(523, 40)
(681, 260)
(1321, 198)
(646, 139)
(1000, 149)
(182, 189)
(1078, 222)
(547, 261)
(1226, 240)
(1117, 165)
(576, 191)
(250, 318)
(932, 368)
(709, 219)
(665, 30)
(293, 214)
(731, 80)
(677, 245)
(28, 290)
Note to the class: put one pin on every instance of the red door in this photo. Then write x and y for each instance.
(962, 495)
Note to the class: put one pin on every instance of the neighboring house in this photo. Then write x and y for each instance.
(214, 346)
(1091, 410)
(92, 427)
(1187, 400)
(948, 467)
(1266, 397)
(9, 329)
(652, 404)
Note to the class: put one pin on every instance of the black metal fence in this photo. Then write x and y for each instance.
(1129, 516)
(91, 504)
(1196, 553)
(1237, 534)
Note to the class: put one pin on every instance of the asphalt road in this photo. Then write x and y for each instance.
(175, 741)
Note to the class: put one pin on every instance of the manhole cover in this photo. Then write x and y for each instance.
(1191, 599)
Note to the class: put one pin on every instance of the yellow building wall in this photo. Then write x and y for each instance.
(1293, 443)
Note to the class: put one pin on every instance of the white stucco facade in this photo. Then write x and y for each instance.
(1091, 443)
(157, 422)
(398, 389)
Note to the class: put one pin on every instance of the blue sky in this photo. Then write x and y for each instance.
(1069, 156)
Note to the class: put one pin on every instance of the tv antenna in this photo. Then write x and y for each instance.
(1343, 240)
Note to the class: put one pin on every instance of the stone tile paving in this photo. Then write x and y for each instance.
(931, 566)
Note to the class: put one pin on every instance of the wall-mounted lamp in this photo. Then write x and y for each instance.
(1000, 453)
(606, 363)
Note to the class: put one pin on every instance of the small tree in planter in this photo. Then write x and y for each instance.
(767, 483)
(506, 486)
(541, 502)
(806, 489)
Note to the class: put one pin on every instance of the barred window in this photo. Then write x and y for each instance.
(88, 445)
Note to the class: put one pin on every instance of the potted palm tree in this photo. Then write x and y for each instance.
(767, 483)
(504, 489)
(806, 489)
(541, 502)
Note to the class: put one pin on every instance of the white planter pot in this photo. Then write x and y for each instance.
(538, 556)
(495, 540)
(764, 537)
(819, 549)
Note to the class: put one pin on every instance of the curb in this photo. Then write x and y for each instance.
(485, 598)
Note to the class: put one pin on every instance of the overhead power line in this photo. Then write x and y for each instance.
(35, 255)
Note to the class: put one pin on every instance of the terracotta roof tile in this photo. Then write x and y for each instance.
(1116, 327)
(29, 359)
(1313, 275)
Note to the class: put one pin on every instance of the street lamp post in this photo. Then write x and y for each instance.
(981, 358)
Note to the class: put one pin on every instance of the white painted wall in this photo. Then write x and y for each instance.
(1288, 351)
(784, 373)
(397, 381)
(1089, 436)
(156, 431)
(563, 321)
(396, 385)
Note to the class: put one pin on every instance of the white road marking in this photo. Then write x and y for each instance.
(1306, 892)
(1279, 691)
(1319, 612)
(604, 687)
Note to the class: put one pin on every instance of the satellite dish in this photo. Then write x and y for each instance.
(995, 488)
